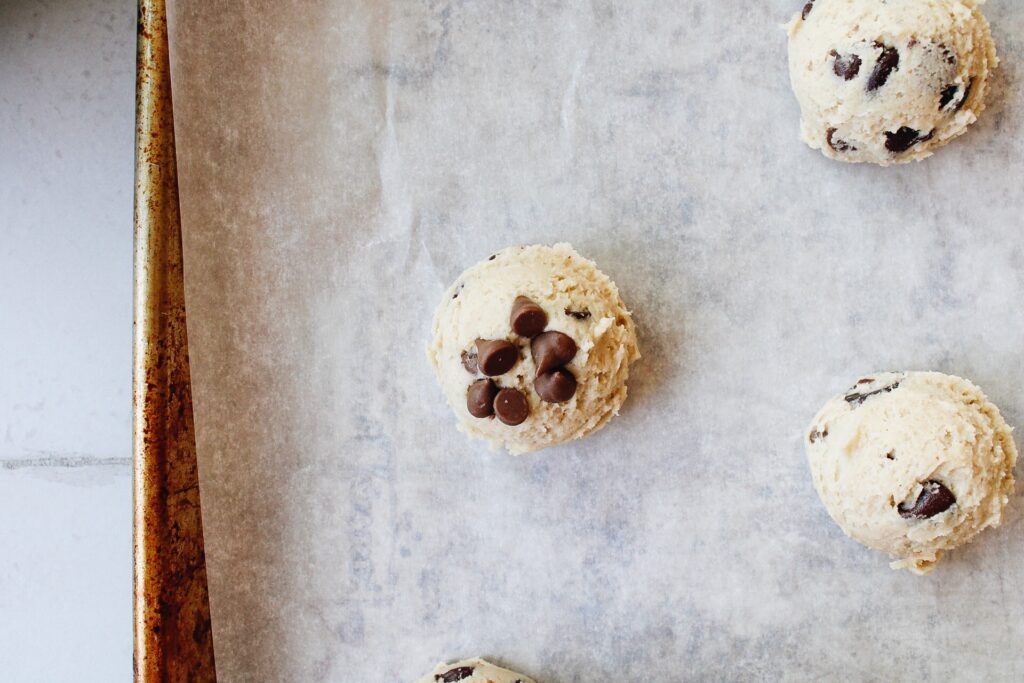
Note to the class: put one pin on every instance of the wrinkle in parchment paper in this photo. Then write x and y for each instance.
(340, 164)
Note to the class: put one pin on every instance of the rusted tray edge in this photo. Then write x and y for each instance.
(172, 633)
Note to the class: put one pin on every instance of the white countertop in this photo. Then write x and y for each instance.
(66, 165)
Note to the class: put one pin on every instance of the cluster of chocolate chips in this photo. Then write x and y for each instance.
(848, 66)
(551, 352)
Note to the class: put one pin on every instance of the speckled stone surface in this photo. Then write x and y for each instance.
(341, 165)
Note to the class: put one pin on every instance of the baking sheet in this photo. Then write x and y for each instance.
(341, 163)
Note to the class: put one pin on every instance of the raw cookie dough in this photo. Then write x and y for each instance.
(888, 82)
(523, 310)
(473, 671)
(912, 464)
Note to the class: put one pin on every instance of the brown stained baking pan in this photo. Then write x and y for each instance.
(173, 639)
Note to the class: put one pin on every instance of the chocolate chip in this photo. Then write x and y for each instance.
(557, 386)
(846, 66)
(888, 62)
(891, 455)
(496, 357)
(527, 318)
(865, 380)
(905, 138)
(836, 143)
(855, 399)
(950, 55)
(511, 406)
(579, 315)
(469, 361)
(948, 93)
(817, 434)
(807, 10)
(934, 499)
(458, 290)
(480, 398)
(552, 350)
(455, 674)
(967, 93)
(492, 257)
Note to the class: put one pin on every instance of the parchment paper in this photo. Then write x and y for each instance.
(342, 162)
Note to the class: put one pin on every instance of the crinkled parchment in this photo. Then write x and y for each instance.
(341, 162)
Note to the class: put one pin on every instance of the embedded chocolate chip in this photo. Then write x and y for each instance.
(579, 315)
(552, 350)
(967, 93)
(950, 55)
(948, 93)
(469, 361)
(891, 455)
(888, 62)
(492, 257)
(527, 318)
(453, 675)
(865, 380)
(846, 66)
(496, 357)
(807, 10)
(855, 399)
(557, 386)
(817, 434)
(480, 398)
(905, 138)
(458, 290)
(511, 406)
(935, 499)
(836, 143)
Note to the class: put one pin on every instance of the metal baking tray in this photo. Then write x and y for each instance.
(173, 639)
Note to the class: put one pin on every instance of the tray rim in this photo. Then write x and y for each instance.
(172, 629)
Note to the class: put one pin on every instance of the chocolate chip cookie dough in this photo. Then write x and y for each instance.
(473, 671)
(912, 464)
(888, 82)
(532, 348)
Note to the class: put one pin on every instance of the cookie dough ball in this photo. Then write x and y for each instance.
(532, 348)
(912, 464)
(473, 671)
(888, 82)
